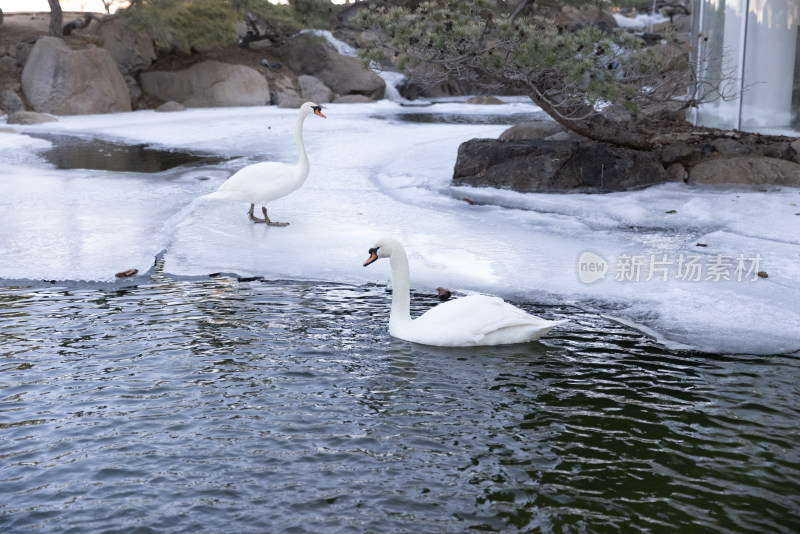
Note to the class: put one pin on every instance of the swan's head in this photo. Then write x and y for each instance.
(383, 249)
(309, 107)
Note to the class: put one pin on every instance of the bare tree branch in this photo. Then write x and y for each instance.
(56, 18)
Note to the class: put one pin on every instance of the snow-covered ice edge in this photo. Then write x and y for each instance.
(374, 174)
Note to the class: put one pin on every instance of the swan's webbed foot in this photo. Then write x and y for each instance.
(271, 223)
(265, 219)
(253, 217)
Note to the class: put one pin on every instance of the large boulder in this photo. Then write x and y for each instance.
(209, 84)
(308, 54)
(312, 88)
(284, 94)
(132, 51)
(756, 170)
(539, 165)
(62, 81)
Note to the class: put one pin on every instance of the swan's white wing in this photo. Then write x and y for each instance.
(259, 183)
(476, 320)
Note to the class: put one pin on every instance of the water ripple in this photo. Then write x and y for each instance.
(213, 405)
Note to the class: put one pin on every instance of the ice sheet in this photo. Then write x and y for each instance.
(373, 174)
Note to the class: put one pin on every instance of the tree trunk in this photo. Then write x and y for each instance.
(56, 18)
(591, 124)
(598, 127)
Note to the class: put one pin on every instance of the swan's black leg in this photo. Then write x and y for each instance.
(254, 218)
(266, 219)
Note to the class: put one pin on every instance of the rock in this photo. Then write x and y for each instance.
(29, 117)
(353, 99)
(729, 147)
(448, 88)
(305, 53)
(23, 50)
(209, 84)
(11, 102)
(532, 130)
(746, 170)
(289, 100)
(312, 88)
(544, 165)
(134, 90)
(62, 81)
(308, 54)
(170, 106)
(284, 94)
(347, 76)
(779, 150)
(518, 165)
(8, 64)
(132, 51)
(484, 100)
(679, 152)
(796, 147)
(676, 172)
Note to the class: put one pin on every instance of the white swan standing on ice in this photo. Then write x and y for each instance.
(262, 182)
(467, 321)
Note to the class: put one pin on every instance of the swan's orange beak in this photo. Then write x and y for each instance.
(372, 257)
(318, 112)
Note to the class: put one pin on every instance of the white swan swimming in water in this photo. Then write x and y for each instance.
(464, 322)
(263, 182)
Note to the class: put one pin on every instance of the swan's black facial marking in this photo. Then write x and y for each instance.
(318, 111)
(373, 255)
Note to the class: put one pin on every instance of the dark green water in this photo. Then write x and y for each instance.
(219, 406)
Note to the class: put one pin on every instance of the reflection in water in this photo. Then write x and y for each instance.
(213, 405)
(70, 152)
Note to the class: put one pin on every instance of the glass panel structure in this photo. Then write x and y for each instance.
(747, 65)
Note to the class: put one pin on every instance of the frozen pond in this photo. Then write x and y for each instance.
(681, 263)
(194, 398)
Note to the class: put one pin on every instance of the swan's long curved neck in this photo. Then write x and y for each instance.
(302, 158)
(401, 288)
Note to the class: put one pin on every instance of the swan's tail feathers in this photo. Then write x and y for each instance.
(552, 324)
(519, 333)
(215, 195)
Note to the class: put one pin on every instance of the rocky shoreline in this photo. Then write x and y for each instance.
(107, 67)
(543, 157)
